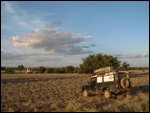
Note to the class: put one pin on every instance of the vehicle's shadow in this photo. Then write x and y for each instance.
(143, 89)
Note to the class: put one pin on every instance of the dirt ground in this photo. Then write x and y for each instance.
(62, 92)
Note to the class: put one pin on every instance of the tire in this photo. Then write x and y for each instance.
(85, 93)
(125, 83)
(107, 94)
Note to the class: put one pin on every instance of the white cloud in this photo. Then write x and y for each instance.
(10, 56)
(132, 55)
(55, 24)
(40, 45)
(47, 39)
(46, 59)
(25, 41)
(135, 59)
(35, 57)
(137, 62)
(22, 19)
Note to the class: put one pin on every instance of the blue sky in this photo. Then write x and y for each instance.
(62, 33)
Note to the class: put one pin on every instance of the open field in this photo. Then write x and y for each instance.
(62, 92)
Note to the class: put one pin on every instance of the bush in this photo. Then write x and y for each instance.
(50, 70)
(60, 70)
(10, 70)
(20, 67)
(41, 69)
(70, 69)
(3, 68)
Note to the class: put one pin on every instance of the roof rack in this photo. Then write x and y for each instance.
(103, 70)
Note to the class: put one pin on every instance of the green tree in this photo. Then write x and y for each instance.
(69, 69)
(97, 61)
(50, 70)
(3, 68)
(10, 70)
(41, 69)
(20, 67)
(60, 70)
(125, 65)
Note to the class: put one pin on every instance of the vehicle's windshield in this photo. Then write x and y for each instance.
(121, 74)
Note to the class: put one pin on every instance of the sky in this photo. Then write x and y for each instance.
(56, 33)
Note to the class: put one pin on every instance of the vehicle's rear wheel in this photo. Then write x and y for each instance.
(85, 93)
(107, 94)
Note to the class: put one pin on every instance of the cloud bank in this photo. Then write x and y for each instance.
(53, 42)
(9, 56)
(132, 56)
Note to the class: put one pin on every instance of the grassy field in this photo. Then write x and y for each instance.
(62, 92)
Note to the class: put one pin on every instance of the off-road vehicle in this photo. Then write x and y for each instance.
(106, 81)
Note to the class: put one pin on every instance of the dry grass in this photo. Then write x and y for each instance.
(62, 92)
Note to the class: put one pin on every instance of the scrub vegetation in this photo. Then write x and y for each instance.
(62, 92)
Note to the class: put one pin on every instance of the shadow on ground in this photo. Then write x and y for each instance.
(143, 89)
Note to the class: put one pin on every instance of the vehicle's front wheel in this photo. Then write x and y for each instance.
(85, 93)
(107, 94)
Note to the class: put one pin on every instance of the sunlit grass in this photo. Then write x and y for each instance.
(63, 93)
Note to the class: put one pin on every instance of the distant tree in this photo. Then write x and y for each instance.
(20, 67)
(41, 69)
(50, 70)
(60, 70)
(10, 70)
(76, 70)
(69, 69)
(125, 65)
(3, 68)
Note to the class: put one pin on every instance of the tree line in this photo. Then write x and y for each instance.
(89, 64)
(41, 69)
